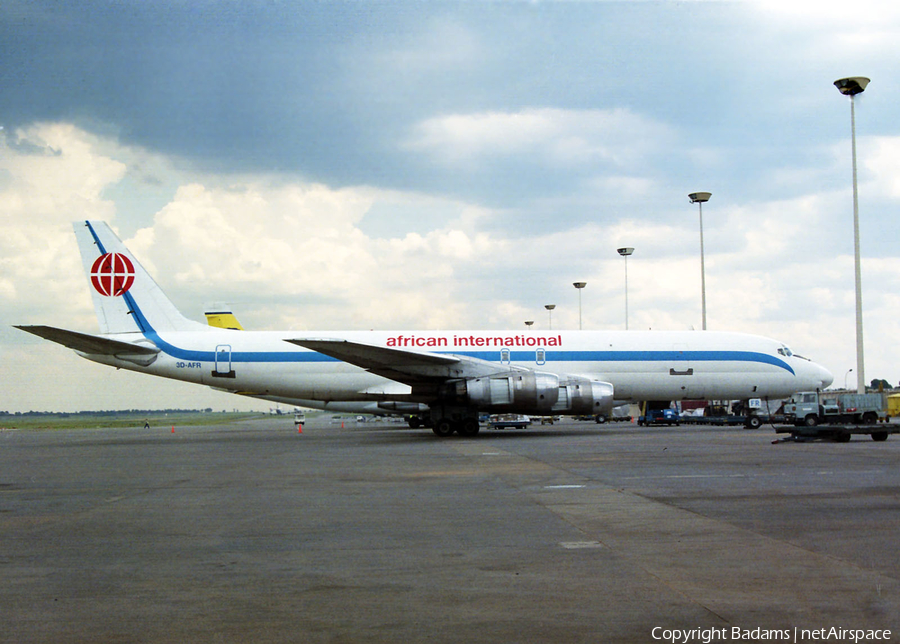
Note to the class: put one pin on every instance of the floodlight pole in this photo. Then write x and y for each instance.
(851, 87)
(550, 308)
(625, 252)
(579, 286)
(700, 198)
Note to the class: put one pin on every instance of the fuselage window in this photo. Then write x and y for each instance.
(504, 355)
(540, 356)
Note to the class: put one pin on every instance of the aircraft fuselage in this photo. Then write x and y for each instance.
(641, 365)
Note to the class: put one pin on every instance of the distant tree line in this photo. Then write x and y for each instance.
(109, 413)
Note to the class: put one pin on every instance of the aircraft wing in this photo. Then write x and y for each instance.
(95, 345)
(409, 367)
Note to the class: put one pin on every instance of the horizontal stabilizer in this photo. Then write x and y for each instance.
(143, 354)
(223, 320)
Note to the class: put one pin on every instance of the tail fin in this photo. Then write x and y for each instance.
(126, 298)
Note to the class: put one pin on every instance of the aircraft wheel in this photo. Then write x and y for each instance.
(443, 428)
(470, 427)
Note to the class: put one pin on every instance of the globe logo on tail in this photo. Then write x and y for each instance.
(112, 274)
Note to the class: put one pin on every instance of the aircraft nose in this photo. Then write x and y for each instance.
(811, 375)
(822, 375)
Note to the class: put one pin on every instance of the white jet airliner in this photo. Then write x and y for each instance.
(449, 376)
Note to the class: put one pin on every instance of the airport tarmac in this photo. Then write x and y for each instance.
(578, 532)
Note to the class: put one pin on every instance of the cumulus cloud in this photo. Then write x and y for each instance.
(288, 253)
(54, 176)
(251, 239)
(881, 159)
(842, 28)
(545, 136)
(832, 12)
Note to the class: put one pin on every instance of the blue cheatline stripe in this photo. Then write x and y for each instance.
(493, 356)
(191, 355)
(551, 356)
(637, 356)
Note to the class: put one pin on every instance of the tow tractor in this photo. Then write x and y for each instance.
(657, 416)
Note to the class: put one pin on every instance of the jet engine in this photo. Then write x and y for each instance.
(580, 396)
(533, 392)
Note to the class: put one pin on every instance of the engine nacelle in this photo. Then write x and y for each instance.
(581, 396)
(533, 392)
(526, 392)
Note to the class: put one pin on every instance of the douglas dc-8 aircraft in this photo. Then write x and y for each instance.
(449, 376)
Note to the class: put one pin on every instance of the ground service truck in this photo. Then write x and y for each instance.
(835, 415)
(812, 408)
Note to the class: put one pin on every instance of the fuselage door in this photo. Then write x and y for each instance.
(223, 362)
(681, 372)
(679, 365)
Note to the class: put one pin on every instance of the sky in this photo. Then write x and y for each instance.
(447, 165)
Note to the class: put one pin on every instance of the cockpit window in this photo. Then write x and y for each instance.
(785, 351)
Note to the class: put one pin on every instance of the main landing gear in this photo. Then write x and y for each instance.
(445, 421)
